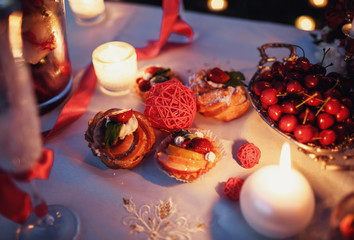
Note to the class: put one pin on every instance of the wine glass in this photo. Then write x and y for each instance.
(20, 138)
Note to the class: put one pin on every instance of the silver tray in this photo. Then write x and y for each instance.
(338, 157)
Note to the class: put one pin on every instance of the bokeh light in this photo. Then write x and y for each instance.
(305, 23)
(319, 3)
(217, 5)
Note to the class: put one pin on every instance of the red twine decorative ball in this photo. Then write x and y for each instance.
(170, 106)
(233, 187)
(249, 155)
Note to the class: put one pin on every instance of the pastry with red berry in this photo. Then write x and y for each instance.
(120, 137)
(220, 94)
(188, 154)
(150, 76)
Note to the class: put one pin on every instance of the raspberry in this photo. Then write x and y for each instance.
(218, 76)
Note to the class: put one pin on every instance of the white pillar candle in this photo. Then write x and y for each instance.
(87, 10)
(115, 64)
(276, 200)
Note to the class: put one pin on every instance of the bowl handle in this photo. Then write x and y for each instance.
(265, 58)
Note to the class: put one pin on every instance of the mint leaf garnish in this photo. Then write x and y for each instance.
(236, 79)
(112, 133)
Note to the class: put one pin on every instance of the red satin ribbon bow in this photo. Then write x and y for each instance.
(15, 204)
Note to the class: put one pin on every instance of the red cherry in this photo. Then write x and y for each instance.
(293, 86)
(275, 112)
(294, 76)
(289, 66)
(279, 86)
(287, 123)
(327, 137)
(304, 64)
(350, 124)
(342, 114)
(259, 86)
(333, 106)
(304, 133)
(144, 85)
(307, 116)
(341, 131)
(201, 145)
(325, 120)
(266, 75)
(347, 102)
(289, 106)
(277, 70)
(318, 69)
(314, 99)
(311, 80)
(269, 96)
(217, 75)
(121, 117)
(334, 93)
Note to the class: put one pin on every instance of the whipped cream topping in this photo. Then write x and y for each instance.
(179, 140)
(210, 156)
(128, 127)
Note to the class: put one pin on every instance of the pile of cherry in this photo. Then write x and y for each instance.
(306, 102)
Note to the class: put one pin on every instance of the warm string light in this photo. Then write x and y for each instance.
(305, 23)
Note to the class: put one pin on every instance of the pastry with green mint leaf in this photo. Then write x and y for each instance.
(120, 137)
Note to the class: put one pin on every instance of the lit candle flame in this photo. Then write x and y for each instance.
(285, 159)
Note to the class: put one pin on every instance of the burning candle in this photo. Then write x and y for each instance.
(87, 11)
(276, 200)
(115, 64)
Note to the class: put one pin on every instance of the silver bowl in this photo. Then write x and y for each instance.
(337, 157)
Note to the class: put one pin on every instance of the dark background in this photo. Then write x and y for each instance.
(279, 11)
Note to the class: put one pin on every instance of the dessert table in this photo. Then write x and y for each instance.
(198, 210)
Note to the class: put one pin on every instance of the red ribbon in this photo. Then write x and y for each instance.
(78, 102)
(15, 204)
(171, 23)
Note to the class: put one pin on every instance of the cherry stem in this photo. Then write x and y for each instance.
(282, 95)
(306, 115)
(305, 101)
(324, 55)
(324, 103)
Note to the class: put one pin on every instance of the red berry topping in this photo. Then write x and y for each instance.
(185, 143)
(144, 85)
(201, 145)
(232, 188)
(121, 117)
(151, 70)
(217, 75)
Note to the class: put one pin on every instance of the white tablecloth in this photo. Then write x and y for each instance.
(80, 181)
